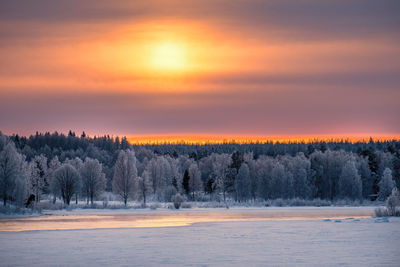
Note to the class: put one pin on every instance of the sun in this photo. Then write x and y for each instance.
(169, 56)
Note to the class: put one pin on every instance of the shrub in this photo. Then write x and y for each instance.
(393, 201)
(381, 212)
(178, 199)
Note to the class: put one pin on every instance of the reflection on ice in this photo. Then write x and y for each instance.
(166, 218)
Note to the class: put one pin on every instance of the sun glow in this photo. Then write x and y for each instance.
(169, 56)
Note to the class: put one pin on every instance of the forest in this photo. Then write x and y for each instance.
(78, 167)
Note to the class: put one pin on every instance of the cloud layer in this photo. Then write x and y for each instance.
(271, 68)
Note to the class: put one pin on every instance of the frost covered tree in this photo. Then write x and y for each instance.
(3, 141)
(393, 202)
(144, 187)
(77, 163)
(195, 183)
(221, 164)
(53, 166)
(155, 169)
(125, 174)
(242, 183)
(93, 179)
(37, 181)
(278, 181)
(350, 185)
(301, 177)
(327, 167)
(366, 177)
(251, 163)
(264, 166)
(67, 181)
(12, 173)
(386, 184)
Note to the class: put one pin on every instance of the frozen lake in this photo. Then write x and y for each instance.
(202, 237)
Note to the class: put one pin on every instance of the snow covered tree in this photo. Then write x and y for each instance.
(3, 141)
(264, 166)
(178, 199)
(93, 179)
(144, 187)
(221, 164)
(301, 181)
(327, 168)
(155, 169)
(251, 163)
(77, 163)
(278, 181)
(37, 181)
(53, 166)
(125, 174)
(242, 183)
(67, 181)
(393, 202)
(195, 183)
(386, 184)
(350, 185)
(11, 173)
(366, 177)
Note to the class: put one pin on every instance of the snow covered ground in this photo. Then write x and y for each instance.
(236, 237)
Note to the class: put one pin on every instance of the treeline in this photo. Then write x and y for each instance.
(71, 167)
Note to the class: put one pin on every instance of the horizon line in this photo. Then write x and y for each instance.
(204, 139)
(248, 139)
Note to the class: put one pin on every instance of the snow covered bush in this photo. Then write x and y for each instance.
(393, 202)
(178, 199)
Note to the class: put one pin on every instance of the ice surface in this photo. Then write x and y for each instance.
(301, 242)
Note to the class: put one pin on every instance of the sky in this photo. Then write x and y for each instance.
(272, 68)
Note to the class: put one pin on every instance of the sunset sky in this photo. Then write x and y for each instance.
(227, 68)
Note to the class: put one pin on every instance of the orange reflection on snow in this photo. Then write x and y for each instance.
(132, 219)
